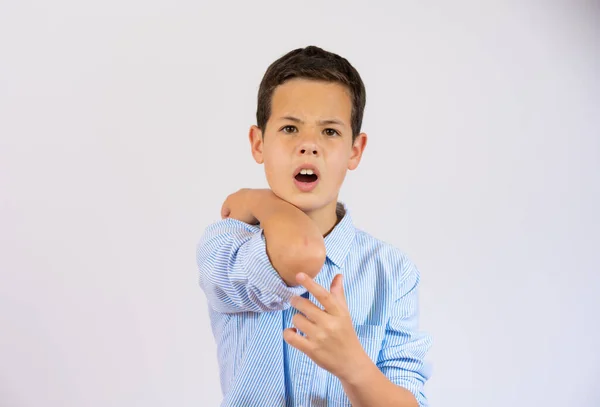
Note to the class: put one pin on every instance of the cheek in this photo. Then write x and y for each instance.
(275, 162)
(339, 164)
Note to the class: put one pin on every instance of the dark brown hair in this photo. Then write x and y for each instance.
(317, 64)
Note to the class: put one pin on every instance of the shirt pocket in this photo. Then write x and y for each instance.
(371, 338)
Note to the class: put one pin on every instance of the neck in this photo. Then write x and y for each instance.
(326, 218)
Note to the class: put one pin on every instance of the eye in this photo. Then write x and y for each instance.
(286, 128)
(332, 132)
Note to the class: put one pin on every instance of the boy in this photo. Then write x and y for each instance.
(283, 339)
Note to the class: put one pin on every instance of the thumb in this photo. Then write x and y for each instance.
(337, 288)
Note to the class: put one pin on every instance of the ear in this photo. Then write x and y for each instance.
(256, 144)
(358, 147)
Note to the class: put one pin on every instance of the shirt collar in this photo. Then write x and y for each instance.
(339, 240)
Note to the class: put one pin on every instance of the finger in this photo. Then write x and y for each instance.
(321, 294)
(225, 212)
(309, 309)
(305, 325)
(296, 340)
(337, 288)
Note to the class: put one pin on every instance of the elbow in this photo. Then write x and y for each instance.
(303, 255)
(309, 258)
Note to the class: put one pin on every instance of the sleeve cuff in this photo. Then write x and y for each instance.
(414, 388)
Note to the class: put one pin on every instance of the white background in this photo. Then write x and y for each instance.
(123, 126)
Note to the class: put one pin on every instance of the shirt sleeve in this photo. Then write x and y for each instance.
(402, 358)
(235, 272)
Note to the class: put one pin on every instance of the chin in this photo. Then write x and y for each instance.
(305, 201)
(308, 202)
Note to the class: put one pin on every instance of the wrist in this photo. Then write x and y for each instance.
(358, 370)
(261, 202)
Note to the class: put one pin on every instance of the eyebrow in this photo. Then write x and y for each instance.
(320, 122)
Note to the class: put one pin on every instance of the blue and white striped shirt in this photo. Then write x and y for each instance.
(249, 309)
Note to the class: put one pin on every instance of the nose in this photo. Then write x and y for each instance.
(309, 150)
(309, 147)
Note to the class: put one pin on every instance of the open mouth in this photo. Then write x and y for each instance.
(306, 175)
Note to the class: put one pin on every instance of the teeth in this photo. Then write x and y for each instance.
(306, 172)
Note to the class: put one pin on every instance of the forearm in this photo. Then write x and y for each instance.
(367, 386)
(294, 242)
(235, 272)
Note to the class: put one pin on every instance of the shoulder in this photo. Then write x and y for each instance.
(396, 262)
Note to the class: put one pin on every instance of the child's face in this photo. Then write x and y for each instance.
(295, 139)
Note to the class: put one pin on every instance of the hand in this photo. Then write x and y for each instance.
(238, 205)
(331, 341)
